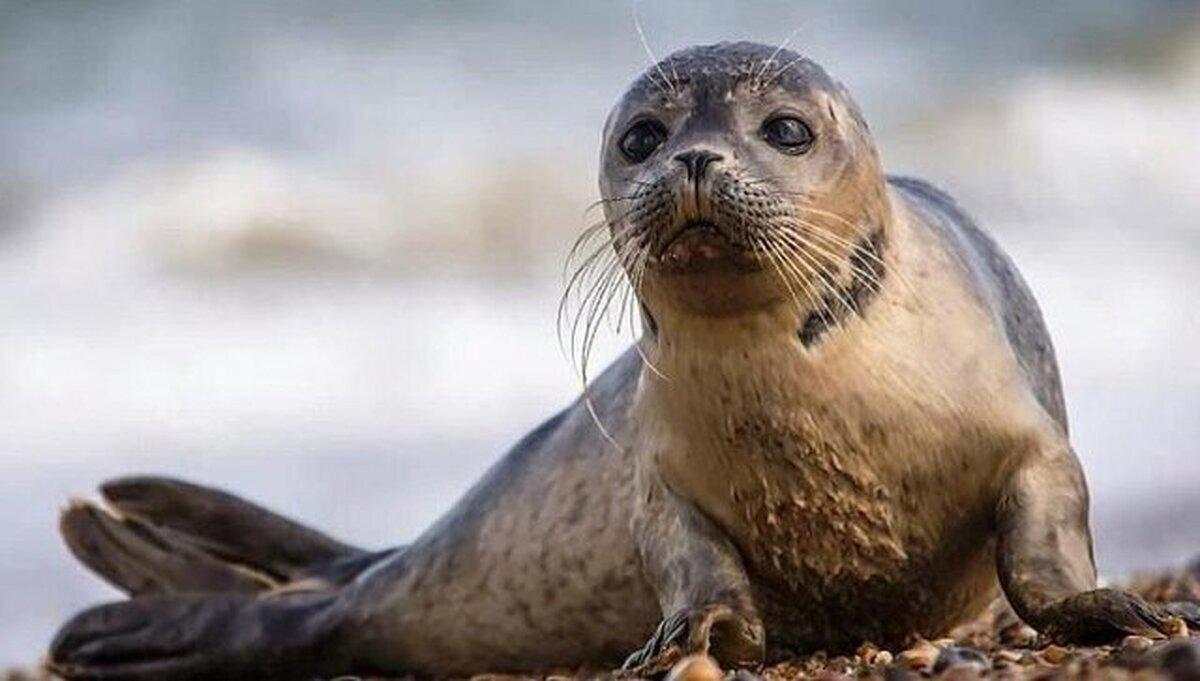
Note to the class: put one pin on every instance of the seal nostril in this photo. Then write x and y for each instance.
(696, 161)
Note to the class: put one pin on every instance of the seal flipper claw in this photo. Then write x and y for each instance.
(671, 631)
(1100, 616)
(715, 630)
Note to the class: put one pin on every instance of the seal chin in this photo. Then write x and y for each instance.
(701, 247)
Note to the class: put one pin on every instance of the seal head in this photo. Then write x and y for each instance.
(736, 176)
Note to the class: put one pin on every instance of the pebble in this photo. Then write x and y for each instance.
(1175, 628)
(1054, 654)
(696, 668)
(960, 656)
(920, 657)
(1010, 656)
(1136, 644)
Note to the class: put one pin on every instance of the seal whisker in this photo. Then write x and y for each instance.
(825, 277)
(794, 259)
(825, 311)
(781, 71)
(818, 231)
(637, 24)
(580, 276)
(766, 64)
(773, 257)
(835, 259)
(595, 304)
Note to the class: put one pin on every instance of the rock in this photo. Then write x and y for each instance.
(1175, 628)
(960, 656)
(1053, 654)
(882, 658)
(1136, 644)
(1008, 656)
(696, 668)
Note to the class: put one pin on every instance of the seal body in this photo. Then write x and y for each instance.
(843, 423)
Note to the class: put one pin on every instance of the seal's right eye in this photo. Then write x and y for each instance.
(642, 139)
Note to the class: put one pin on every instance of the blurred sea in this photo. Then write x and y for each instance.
(311, 252)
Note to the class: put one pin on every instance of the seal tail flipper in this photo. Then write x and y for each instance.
(232, 637)
(141, 559)
(225, 526)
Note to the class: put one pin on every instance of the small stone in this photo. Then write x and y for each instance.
(1009, 656)
(883, 658)
(1136, 644)
(1053, 654)
(696, 668)
(1175, 628)
(960, 656)
(841, 664)
(920, 657)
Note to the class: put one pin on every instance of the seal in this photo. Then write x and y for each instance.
(842, 422)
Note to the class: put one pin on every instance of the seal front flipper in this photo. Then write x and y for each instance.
(1045, 563)
(229, 636)
(702, 587)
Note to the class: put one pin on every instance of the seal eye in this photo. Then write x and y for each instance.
(788, 134)
(642, 139)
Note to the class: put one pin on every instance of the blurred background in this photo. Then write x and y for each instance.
(311, 251)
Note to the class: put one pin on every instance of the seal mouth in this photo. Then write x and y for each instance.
(695, 239)
(700, 245)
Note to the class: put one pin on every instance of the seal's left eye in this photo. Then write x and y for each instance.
(788, 134)
(642, 139)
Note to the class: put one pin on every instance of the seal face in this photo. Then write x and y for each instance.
(844, 423)
(723, 164)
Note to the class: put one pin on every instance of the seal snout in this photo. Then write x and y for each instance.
(697, 161)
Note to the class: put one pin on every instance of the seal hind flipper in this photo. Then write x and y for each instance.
(141, 559)
(226, 526)
(225, 636)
